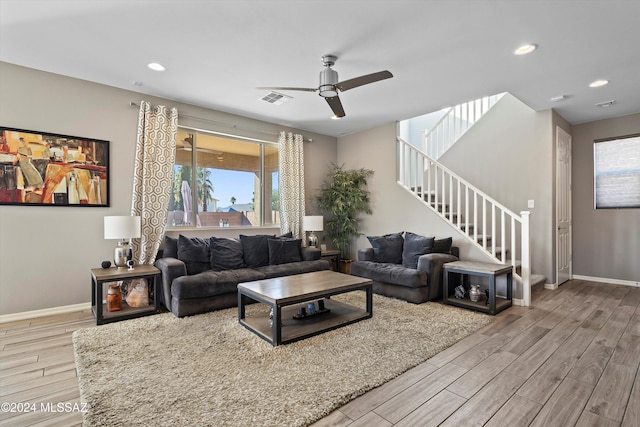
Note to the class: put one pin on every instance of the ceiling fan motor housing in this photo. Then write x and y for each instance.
(328, 80)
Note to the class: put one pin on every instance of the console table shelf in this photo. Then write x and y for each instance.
(459, 273)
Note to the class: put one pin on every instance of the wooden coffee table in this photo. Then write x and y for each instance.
(285, 295)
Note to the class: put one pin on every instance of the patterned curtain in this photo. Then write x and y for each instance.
(153, 176)
(291, 184)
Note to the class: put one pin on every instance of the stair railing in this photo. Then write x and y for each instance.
(455, 123)
(502, 234)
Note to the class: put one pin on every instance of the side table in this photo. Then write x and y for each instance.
(100, 276)
(334, 257)
(454, 275)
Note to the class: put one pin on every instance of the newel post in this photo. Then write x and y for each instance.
(526, 259)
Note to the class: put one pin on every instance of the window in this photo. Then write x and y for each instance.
(617, 172)
(234, 182)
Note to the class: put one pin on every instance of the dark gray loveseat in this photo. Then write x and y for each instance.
(202, 275)
(406, 267)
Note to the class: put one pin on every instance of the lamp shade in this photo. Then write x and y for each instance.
(121, 227)
(313, 223)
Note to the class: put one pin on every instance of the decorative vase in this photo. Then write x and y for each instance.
(474, 293)
(114, 298)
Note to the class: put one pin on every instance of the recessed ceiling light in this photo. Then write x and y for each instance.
(558, 98)
(525, 49)
(598, 83)
(156, 67)
(335, 118)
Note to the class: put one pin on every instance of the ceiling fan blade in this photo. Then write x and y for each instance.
(304, 89)
(336, 106)
(363, 80)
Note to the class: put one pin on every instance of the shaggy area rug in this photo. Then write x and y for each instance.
(208, 370)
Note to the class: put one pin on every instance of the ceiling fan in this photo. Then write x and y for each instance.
(330, 86)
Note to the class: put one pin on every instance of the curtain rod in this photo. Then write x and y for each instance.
(304, 138)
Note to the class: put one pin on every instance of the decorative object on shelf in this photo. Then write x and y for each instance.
(460, 292)
(138, 294)
(130, 264)
(123, 228)
(47, 169)
(486, 294)
(114, 298)
(313, 223)
(311, 308)
(475, 293)
(106, 264)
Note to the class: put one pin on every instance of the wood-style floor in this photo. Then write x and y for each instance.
(571, 359)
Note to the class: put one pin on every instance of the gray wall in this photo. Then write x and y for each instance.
(46, 252)
(606, 242)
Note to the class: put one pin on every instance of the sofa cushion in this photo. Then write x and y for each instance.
(414, 246)
(226, 254)
(194, 252)
(290, 268)
(255, 250)
(211, 283)
(442, 246)
(394, 274)
(170, 247)
(387, 248)
(284, 250)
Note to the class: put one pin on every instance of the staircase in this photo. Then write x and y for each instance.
(455, 123)
(500, 233)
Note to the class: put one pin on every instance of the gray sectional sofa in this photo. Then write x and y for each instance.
(407, 267)
(201, 275)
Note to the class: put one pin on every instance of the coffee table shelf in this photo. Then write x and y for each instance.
(295, 329)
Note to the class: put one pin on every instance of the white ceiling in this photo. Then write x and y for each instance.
(441, 52)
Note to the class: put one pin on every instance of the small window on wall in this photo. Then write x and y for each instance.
(617, 172)
(223, 181)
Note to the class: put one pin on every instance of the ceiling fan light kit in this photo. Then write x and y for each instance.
(329, 86)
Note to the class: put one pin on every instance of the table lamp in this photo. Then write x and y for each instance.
(123, 228)
(313, 223)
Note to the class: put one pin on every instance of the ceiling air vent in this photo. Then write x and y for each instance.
(605, 104)
(275, 98)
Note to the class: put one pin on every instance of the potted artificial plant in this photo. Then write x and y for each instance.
(343, 197)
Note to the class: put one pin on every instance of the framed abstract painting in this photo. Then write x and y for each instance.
(47, 169)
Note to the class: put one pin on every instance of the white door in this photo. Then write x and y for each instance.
(563, 206)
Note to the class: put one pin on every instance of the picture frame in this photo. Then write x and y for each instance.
(48, 169)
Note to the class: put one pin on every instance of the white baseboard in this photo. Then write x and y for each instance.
(551, 286)
(4, 318)
(517, 301)
(605, 280)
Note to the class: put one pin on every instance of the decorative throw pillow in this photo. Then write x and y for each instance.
(387, 248)
(443, 246)
(282, 251)
(226, 254)
(414, 246)
(170, 247)
(194, 252)
(255, 250)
